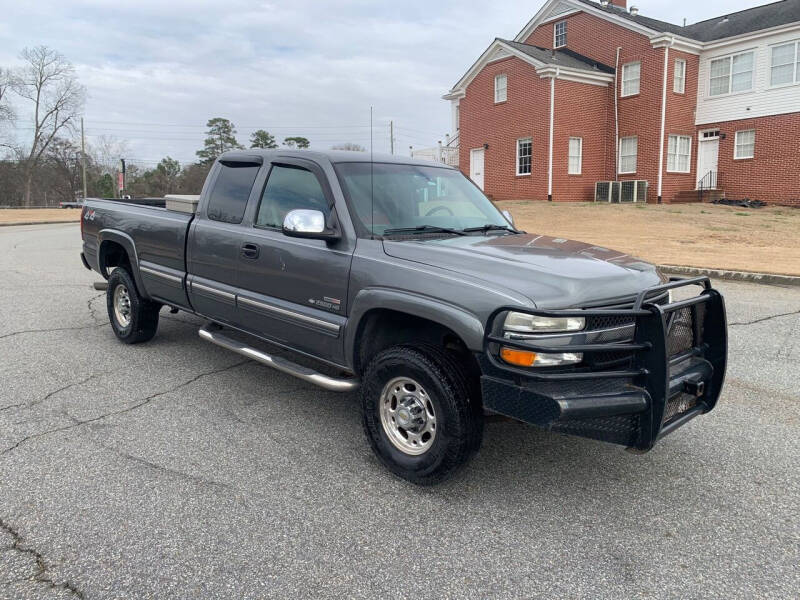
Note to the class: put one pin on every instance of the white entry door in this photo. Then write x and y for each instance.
(476, 166)
(707, 157)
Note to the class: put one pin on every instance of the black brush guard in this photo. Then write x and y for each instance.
(675, 371)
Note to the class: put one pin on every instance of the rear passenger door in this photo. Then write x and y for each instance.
(294, 290)
(215, 238)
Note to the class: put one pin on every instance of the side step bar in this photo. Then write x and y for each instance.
(332, 384)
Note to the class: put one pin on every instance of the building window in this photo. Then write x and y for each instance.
(785, 64)
(500, 88)
(575, 156)
(679, 83)
(631, 76)
(679, 153)
(731, 74)
(745, 144)
(560, 34)
(628, 152)
(524, 149)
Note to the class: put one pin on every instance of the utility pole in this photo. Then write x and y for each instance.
(391, 136)
(83, 159)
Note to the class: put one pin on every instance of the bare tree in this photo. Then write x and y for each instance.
(48, 81)
(105, 152)
(6, 111)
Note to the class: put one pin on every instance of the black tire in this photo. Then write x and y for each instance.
(459, 416)
(143, 313)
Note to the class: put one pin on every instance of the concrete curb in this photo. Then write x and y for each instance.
(39, 223)
(763, 278)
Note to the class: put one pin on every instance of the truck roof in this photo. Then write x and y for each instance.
(334, 156)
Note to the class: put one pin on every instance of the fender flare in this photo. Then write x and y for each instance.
(126, 241)
(464, 324)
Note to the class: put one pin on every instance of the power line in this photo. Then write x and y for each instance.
(191, 126)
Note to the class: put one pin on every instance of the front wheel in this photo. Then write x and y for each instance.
(418, 413)
(133, 318)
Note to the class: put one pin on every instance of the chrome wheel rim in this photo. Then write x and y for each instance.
(408, 416)
(122, 306)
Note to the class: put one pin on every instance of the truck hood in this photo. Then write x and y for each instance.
(551, 272)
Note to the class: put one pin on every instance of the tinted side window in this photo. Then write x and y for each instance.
(231, 191)
(289, 188)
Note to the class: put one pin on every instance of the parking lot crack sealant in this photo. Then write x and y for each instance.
(41, 575)
(762, 319)
(140, 404)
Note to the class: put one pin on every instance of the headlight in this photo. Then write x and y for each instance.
(525, 323)
(526, 358)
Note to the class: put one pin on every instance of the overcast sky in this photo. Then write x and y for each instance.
(157, 70)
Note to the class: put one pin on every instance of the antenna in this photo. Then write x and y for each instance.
(371, 184)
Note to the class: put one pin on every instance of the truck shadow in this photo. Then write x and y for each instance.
(516, 461)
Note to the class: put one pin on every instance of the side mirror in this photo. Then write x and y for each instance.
(508, 217)
(309, 224)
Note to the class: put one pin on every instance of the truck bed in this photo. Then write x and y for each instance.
(156, 237)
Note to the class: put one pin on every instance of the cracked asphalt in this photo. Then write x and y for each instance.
(175, 469)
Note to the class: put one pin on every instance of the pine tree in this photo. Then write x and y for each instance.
(220, 137)
(262, 139)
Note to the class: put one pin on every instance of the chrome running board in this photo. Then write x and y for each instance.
(332, 384)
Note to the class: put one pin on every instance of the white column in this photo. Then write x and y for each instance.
(454, 116)
(550, 151)
(663, 123)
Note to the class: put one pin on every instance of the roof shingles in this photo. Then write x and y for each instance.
(563, 58)
(733, 24)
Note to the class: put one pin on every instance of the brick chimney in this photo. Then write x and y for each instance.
(623, 4)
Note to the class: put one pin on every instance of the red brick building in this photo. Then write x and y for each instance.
(595, 91)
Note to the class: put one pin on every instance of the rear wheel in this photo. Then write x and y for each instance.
(133, 319)
(418, 413)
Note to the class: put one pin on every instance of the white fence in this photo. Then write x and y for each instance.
(444, 153)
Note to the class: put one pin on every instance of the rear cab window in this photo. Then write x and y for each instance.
(228, 198)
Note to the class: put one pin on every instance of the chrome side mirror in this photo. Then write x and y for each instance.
(305, 223)
(509, 218)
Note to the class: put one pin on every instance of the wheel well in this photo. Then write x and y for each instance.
(382, 328)
(113, 254)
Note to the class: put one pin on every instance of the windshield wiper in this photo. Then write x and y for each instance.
(490, 227)
(423, 229)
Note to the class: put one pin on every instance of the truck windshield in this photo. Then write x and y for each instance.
(391, 197)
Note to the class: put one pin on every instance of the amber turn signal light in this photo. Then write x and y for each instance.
(521, 358)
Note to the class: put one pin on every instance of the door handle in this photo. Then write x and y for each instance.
(249, 251)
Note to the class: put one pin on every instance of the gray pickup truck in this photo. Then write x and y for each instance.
(400, 279)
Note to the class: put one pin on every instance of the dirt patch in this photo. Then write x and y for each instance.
(10, 216)
(763, 240)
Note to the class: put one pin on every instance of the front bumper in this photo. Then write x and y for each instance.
(672, 370)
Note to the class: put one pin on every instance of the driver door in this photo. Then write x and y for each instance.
(294, 290)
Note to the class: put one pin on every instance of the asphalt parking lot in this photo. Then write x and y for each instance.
(175, 469)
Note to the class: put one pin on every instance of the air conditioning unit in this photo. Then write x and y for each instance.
(617, 192)
(633, 191)
(602, 191)
(607, 191)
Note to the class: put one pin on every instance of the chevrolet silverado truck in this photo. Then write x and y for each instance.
(402, 280)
